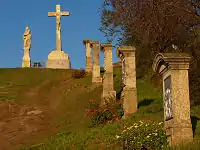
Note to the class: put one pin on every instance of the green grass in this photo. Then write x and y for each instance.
(15, 81)
(54, 90)
(150, 108)
(79, 134)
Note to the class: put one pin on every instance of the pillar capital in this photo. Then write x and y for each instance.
(125, 51)
(174, 61)
(85, 41)
(104, 47)
(94, 44)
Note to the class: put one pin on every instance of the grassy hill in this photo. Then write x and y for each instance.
(46, 109)
(40, 102)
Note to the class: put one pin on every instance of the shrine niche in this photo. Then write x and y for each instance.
(176, 100)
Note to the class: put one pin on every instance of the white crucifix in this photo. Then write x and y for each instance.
(58, 15)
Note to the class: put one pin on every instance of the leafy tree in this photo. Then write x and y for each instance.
(153, 26)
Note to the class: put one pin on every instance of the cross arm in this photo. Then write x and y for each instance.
(50, 14)
(66, 13)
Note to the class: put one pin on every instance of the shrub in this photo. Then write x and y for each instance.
(108, 112)
(102, 70)
(77, 74)
(143, 135)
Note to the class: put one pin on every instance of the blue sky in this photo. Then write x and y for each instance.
(83, 22)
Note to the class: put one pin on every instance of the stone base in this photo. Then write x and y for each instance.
(108, 95)
(88, 74)
(58, 60)
(88, 70)
(129, 99)
(126, 116)
(26, 63)
(96, 80)
(179, 134)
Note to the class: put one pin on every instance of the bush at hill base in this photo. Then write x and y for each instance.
(110, 111)
(140, 135)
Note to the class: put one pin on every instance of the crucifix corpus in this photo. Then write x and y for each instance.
(58, 15)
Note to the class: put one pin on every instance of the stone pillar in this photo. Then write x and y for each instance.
(88, 55)
(174, 69)
(108, 87)
(26, 62)
(96, 77)
(129, 93)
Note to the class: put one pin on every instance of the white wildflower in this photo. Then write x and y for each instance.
(130, 127)
(117, 136)
(155, 134)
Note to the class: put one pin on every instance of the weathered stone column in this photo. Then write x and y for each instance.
(88, 55)
(174, 69)
(96, 77)
(108, 87)
(26, 62)
(129, 93)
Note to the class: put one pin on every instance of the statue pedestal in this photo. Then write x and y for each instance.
(58, 60)
(26, 62)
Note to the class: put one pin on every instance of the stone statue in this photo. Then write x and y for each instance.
(58, 26)
(27, 39)
(26, 62)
